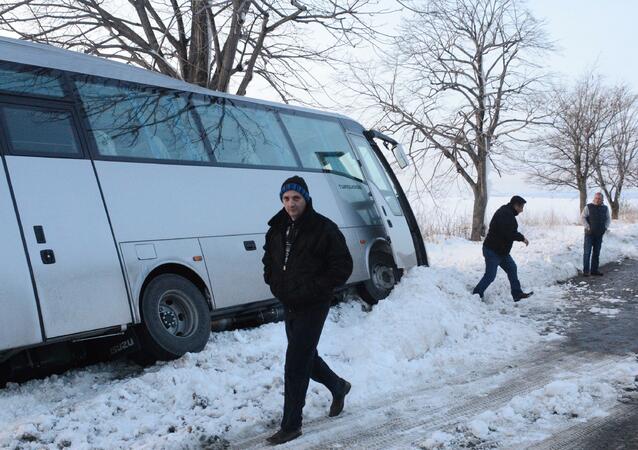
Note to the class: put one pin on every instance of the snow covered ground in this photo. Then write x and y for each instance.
(430, 331)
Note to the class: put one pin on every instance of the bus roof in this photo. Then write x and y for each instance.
(42, 55)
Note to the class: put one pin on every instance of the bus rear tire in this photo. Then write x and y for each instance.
(382, 278)
(176, 319)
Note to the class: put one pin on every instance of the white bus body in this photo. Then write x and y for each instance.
(113, 177)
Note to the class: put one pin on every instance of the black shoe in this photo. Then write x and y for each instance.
(585, 274)
(598, 274)
(338, 401)
(281, 436)
(523, 295)
(475, 292)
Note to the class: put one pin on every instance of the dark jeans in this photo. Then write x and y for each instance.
(592, 242)
(492, 262)
(303, 331)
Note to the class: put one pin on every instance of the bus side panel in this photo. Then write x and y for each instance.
(19, 322)
(82, 288)
(141, 258)
(236, 270)
(221, 206)
(149, 201)
(357, 251)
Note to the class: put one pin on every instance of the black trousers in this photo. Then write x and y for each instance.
(303, 330)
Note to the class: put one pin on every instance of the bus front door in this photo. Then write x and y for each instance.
(76, 268)
(382, 190)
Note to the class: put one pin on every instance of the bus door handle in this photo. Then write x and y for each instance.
(48, 257)
(250, 245)
(38, 230)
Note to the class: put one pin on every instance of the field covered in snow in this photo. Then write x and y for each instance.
(429, 331)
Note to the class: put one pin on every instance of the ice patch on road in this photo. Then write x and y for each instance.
(540, 413)
(613, 300)
(609, 312)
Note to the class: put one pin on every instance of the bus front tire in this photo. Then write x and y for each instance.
(382, 278)
(176, 318)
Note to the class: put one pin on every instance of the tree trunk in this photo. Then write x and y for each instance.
(582, 190)
(196, 71)
(615, 209)
(224, 69)
(480, 205)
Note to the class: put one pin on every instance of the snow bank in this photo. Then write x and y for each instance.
(428, 331)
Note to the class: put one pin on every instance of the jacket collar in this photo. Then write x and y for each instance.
(513, 209)
(282, 217)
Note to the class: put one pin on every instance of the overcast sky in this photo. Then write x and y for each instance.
(587, 33)
(592, 32)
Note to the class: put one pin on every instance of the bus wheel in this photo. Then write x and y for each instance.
(176, 318)
(382, 278)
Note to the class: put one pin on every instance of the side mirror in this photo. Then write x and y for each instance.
(400, 156)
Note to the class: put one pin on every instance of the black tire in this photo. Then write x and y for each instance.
(5, 374)
(382, 278)
(175, 316)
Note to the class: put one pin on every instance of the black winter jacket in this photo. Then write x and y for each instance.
(503, 230)
(319, 260)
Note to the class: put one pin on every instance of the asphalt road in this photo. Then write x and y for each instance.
(613, 334)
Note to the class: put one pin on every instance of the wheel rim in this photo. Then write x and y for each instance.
(177, 314)
(383, 277)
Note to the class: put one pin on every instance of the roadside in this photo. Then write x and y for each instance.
(431, 352)
(575, 393)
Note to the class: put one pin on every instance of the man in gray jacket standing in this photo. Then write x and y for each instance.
(596, 220)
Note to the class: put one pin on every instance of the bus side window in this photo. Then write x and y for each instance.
(172, 130)
(322, 144)
(244, 135)
(33, 81)
(134, 122)
(37, 131)
(104, 143)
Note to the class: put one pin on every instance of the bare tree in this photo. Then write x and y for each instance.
(458, 88)
(617, 162)
(565, 152)
(219, 44)
(632, 175)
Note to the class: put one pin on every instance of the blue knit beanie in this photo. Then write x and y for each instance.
(297, 184)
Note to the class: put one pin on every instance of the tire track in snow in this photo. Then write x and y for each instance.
(410, 419)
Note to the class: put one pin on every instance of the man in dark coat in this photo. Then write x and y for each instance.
(305, 259)
(596, 220)
(501, 235)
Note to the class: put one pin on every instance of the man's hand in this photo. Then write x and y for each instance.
(526, 242)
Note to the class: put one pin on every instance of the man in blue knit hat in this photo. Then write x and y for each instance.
(305, 259)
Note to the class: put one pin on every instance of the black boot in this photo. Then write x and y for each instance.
(523, 295)
(282, 436)
(338, 401)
